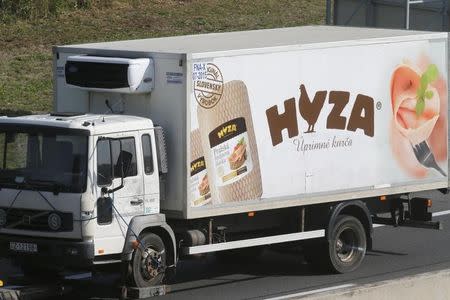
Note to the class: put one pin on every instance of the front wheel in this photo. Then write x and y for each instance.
(149, 261)
(347, 244)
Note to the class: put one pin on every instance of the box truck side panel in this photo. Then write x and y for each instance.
(304, 126)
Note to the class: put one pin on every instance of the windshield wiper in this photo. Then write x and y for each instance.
(30, 183)
(56, 187)
(7, 181)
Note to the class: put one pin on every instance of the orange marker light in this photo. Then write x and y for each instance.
(251, 214)
(101, 251)
(429, 202)
(382, 198)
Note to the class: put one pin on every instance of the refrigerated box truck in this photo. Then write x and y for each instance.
(163, 148)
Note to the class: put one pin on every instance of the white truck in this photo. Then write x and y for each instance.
(163, 148)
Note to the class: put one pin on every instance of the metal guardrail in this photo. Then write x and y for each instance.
(408, 8)
(368, 13)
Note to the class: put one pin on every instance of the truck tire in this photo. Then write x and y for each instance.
(9, 295)
(347, 244)
(149, 261)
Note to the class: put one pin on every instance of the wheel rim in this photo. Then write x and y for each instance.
(151, 263)
(347, 245)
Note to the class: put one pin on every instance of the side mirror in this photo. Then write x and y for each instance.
(104, 210)
(123, 164)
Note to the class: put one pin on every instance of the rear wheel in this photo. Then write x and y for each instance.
(149, 261)
(345, 249)
(347, 244)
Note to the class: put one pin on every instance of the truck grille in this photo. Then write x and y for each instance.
(30, 219)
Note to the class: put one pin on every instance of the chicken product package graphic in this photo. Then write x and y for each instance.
(275, 125)
(199, 182)
(229, 142)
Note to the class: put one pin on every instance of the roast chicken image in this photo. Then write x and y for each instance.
(415, 103)
(418, 97)
(238, 156)
(309, 109)
(203, 187)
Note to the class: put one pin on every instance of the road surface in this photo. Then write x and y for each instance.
(397, 252)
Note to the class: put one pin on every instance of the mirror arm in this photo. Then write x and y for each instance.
(116, 188)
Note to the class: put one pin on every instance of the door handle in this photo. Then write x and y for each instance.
(137, 202)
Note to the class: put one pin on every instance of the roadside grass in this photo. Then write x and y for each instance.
(25, 45)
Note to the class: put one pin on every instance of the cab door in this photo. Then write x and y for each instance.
(150, 172)
(118, 179)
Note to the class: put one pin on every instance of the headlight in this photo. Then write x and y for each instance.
(2, 217)
(54, 221)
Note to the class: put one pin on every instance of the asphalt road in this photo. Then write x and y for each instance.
(397, 252)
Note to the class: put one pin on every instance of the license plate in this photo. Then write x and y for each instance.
(23, 247)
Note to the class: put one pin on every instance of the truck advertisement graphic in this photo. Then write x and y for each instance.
(291, 122)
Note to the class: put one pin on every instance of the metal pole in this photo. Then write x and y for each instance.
(210, 231)
(407, 14)
(445, 25)
(369, 14)
(328, 12)
(302, 225)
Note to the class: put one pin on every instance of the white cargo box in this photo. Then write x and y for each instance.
(276, 118)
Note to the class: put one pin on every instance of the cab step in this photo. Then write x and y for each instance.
(142, 293)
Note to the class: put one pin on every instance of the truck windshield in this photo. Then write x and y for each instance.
(43, 158)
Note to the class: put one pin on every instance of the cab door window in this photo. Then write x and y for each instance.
(147, 153)
(104, 169)
(127, 154)
(112, 156)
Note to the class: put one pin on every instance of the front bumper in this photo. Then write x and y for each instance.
(50, 252)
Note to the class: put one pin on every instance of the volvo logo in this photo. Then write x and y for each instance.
(54, 221)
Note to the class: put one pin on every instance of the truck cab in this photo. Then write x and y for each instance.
(72, 183)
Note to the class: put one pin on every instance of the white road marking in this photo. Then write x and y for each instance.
(441, 213)
(331, 288)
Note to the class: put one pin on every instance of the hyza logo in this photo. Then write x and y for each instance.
(361, 116)
(198, 164)
(227, 130)
(208, 84)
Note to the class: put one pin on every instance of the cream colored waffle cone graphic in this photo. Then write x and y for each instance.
(196, 145)
(229, 144)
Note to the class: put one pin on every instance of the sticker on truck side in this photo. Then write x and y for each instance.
(174, 77)
(229, 149)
